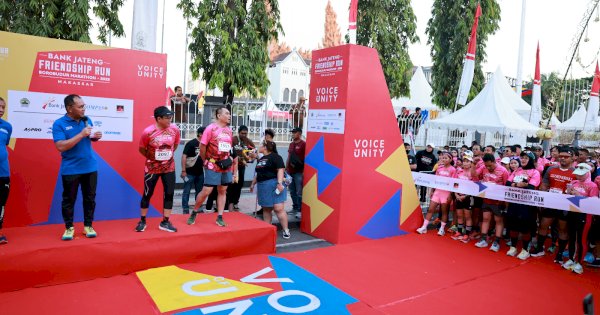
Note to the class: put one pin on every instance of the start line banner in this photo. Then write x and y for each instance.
(589, 205)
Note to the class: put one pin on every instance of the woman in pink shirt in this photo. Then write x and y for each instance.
(463, 202)
(582, 186)
(520, 218)
(440, 197)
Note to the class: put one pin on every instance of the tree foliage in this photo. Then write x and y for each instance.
(62, 19)
(389, 26)
(332, 36)
(229, 43)
(448, 33)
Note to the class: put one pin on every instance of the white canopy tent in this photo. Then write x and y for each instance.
(420, 95)
(273, 113)
(576, 121)
(493, 110)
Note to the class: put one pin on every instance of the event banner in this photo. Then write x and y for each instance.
(589, 205)
(37, 74)
(32, 115)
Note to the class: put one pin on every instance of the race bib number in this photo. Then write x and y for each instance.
(224, 146)
(163, 155)
(555, 190)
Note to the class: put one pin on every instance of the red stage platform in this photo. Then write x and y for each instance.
(412, 274)
(36, 256)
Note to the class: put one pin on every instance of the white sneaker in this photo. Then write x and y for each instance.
(441, 232)
(512, 252)
(577, 268)
(286, 234)
(523, 255)
(422, 230)
(495, 247)
(569, 265)
(482, 243)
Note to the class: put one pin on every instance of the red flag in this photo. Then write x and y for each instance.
(537, 79)
(596, 82)
(353, 14)
(169, 92)
(466, 80)
(535, 116)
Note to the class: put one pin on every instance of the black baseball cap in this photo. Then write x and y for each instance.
(162, 111)
(297, 129)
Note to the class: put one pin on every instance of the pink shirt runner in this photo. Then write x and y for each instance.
(586, 188)
(160, 145)
(499, 177)
(218, 142)
(532, 176)
(445, 171)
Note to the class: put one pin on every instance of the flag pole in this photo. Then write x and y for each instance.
(519, 86)
(352, 21)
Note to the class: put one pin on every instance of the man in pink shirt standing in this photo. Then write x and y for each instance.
(158, 144)
(220, 168)
(494, 174)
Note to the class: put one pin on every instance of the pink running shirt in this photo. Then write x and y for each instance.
(160, 146)
(218, 142)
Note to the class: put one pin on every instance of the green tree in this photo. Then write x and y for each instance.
(60, 18)
(229, 43)
(449, 30)
(389, 26)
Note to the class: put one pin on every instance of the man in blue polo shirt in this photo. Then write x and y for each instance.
(5, 133)
(73, 138)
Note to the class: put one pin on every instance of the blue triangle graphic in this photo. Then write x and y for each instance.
(326, 172)
(386, 222)
(482, 187)
(115, 198)
(576, 199)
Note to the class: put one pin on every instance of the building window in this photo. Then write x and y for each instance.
(294, 96)
(302, 73)
(286, 70)
(294, 71)
(300, 94)
(286, 95)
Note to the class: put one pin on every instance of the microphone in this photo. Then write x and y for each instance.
(85, 120)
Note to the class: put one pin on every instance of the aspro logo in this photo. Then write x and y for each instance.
(301, 292)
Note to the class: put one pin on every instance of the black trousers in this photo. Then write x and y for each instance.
(71, 185)
(4, 190)
(168, 181)
(234, 190)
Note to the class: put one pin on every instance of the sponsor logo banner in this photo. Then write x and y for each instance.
(32, 115)
(590, 205)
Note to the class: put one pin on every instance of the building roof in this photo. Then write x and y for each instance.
(281, 57)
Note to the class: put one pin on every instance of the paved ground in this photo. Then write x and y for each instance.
(298, 242)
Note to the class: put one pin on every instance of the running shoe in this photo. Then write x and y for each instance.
(453, 229)
(509, 243)
(141, 226)
(495, 247)
(89, 232)
(538, 254)
(589, 257)
(3, 239)
(286, 234)
(220, 222)
(569, 265)
(559, 259)
(476, 235)
(192, 219)
(482, 243)
(577, 268)
(595, 263)
(167, 226)
(457, 235)
(422, 230)
(236, 207)
(441, 232)
(512, 252)
(69, 233)
(465, 239)
(523, 255)
(552, 249)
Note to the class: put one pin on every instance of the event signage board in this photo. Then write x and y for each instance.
(357, 182)
(589, 205)
(32, 115)
(42, 71)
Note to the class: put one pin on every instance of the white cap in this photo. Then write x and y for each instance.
(431, 145)
(582, 169)
(505, 160)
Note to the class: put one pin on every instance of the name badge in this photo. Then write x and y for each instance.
(224, 146)
(555, 190)
(163, 155)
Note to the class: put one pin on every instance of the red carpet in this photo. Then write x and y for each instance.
(36, 256)
(402, 275)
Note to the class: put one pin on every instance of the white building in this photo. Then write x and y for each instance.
(289, 75)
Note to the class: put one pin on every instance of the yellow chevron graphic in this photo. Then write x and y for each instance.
(396, 167)
(319, 211)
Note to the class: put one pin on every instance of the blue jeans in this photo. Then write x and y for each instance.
(192, 180)
(296, 191)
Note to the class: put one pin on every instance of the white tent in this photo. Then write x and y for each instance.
(576, 121)
(273, 113)
(492, 110)
(420, 94)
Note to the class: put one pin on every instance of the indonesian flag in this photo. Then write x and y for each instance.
(591, 119)
(169, 92)
(536, 101)
(353, 14)
(466, 80)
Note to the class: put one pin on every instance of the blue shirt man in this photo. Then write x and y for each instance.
(73, 136)
(5, 133)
